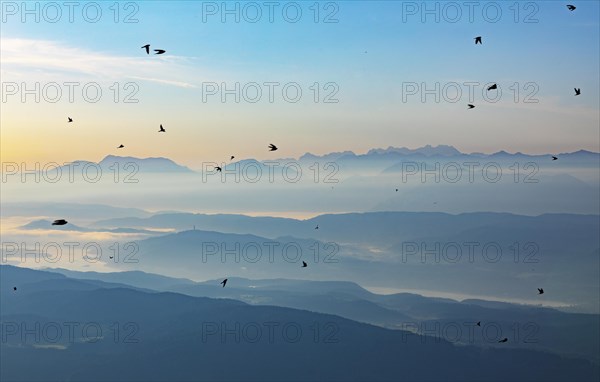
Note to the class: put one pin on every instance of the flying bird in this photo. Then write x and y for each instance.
(232, 157)
(111, 257)
(14, 288)
(471, 106)
(554, 158)
(317, 227)
(224, 282)
(503, 340)
(571, 7)
(577, 91)
(120, 146)
(218, 168)
(478, 323)
(162, 129)
(396, 190)
(494, 86)
(147, 47)
(59, 222)
(304, 265)
(159, 51)
(478, 40)
(540, 290)
(272, 147)
(70, 119)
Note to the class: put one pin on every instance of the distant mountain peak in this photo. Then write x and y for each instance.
(428, 150)
(121, 158)
(334, 155)
(151, 164)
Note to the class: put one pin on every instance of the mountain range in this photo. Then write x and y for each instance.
(428, 152)
(148, 335)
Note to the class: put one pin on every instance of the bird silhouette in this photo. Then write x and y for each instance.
(224, 282)
(554, 158)
(571, 7)
(232, 157)
(120, 146)
(471, 106)
(478, 323)
(111, 257)
(494, 86)
(304, 265)
(540, 290)
(59, 222)
(478, 40)
(159, 51)
(317, 227)
(70, 119)
(577, 91)
(162, 129)
(218, 168)
(503, 340)
(147, 47)
(14, 288)
(272, 147)
(396, 190)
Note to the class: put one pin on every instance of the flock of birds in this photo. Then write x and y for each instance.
(478, 40)
(272, 147)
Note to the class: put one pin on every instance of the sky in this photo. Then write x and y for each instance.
(370, 61)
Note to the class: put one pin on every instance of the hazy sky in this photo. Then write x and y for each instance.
(368, 60)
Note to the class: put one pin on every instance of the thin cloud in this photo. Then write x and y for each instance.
(166, 82)
(50, 60)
